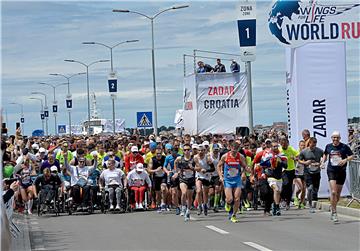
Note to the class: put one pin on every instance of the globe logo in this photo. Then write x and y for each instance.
(280, 10)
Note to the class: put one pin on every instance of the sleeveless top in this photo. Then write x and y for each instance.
(232, 167)
(185, 171)
(204, 165)
(157, 163)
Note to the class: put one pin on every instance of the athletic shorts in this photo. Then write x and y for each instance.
(302, 177)
(214, 181)
(26, 186)
(232, 183)
(204, 182)
(338, 175)
(275, 182)
(157, 181)
(189, 182)
(248, 186)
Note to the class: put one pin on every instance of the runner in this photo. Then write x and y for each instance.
(156, 169)
(311, 157)
(339, 154)
(203, 167)
(231, 163)
(185, 171)
(299, 181)
(215, 184)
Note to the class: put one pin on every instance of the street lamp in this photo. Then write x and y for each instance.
(41, 112)
(87, 82)
(46, 112)
(68, 95)
(21, 115)
(151, 18)
(54, 104)
(113, 96)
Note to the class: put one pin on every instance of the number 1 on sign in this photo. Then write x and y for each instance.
(247, 33)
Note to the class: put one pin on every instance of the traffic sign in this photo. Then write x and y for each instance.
(247, 30)
(144, 119)
(55, 108)
(42, 116)
(112, 82)
(46, 112)
(61, 129)
(69, 103)
(22, 120)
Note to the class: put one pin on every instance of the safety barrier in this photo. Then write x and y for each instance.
(354, 175)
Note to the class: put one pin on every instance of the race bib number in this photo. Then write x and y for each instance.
(188, 173)
(138, 183)
(313, 168)
(26, 180)
(299, 169)
(113, 181)
(159, 173)
(335, 160)
(233, 172)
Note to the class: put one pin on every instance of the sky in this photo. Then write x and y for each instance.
(37, 37)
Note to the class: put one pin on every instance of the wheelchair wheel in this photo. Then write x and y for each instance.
(70, 207)
(38, 208)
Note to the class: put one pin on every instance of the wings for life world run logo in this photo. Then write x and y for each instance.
(294, 23)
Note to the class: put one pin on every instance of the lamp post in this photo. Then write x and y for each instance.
(41, 112)
(22, 120)
(46, 112)
(87, 82)
(112, 73)
(68, 97)
(151, 18)
(55, 102)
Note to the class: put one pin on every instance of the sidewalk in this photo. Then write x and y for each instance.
(325, 206)
(22, 242)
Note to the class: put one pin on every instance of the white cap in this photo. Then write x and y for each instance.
(42, 150)
(158, 140)
(134, 149)
(206, 143)
(195, 146)
(35, 146)
(201, 147)
(53, 169)
(335, 133)
(139, 167)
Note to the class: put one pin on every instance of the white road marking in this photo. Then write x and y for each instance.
(220, 231)
(257, 246)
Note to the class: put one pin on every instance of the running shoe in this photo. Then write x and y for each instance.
(199, 210)
(205, 209)
(246, 204)
(302, 206)
(153, 206)
(241, 210)
(159, 210)
(187, 215)
(215, 209)
(296, 201)
(183, 210)
(334, 218)
(117, 208)
(312, 210)
(163, 207)
(278, 212)
(227, 207)
(287, 207)
(177, 211)
(231, 212)
(234, 219)
(111, 207)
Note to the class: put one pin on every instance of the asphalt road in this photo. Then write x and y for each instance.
(294, 230)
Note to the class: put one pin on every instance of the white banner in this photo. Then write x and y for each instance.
(316, 92)
(215, 103)
(179, 119)
(119, 125)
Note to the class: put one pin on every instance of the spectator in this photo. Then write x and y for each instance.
(203, 68)
(219, 67)
(234, 67)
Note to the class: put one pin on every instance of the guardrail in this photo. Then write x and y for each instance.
(354, 174)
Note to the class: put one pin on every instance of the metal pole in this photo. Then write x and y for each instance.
(68, 84)
(194, 61)
(46, 123)
(153, 73)
(70, 123)
(184, 65)
(55, 132)
(249, 89)
(88, 96)
(113, 109)
(111, 60)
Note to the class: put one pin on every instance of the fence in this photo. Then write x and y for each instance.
(354, 174)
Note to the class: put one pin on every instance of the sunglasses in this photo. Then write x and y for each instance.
(135, 152)
(187, 150)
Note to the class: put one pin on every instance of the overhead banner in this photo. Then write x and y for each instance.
(119, 125)
(294, 23)
(316, 94)
(215, 103)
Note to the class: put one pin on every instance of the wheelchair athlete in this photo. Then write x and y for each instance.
(139, 181)
(79, 180)
(114, 180)
(48, 185)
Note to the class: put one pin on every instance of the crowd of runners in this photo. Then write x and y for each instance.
(184, 174)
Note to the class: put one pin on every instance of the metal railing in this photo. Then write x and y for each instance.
(354, 175)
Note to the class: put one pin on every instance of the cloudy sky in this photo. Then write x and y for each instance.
(38, 36)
